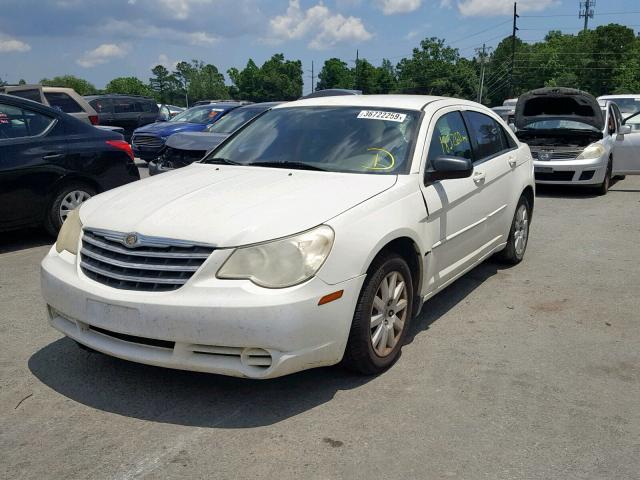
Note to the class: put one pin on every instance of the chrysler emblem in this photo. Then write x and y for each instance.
(544, 156)
(131, 239)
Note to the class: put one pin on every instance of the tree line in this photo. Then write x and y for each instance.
(600, 61)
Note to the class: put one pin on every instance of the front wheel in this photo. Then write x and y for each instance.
(603, 188)
(382, 316)
(67, 199)
(518, 238)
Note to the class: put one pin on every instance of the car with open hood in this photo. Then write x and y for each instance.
(148, 141)
(573, 139)
(182, 149)
(311, 236)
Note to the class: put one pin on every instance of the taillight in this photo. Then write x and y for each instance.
(93, 119)
(122, 145)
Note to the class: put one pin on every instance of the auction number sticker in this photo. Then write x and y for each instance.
(378, 115)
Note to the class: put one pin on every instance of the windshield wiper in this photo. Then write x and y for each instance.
(293, 165)
(223, 161)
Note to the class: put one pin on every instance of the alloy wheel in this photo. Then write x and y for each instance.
(388, 313)
(521, 231)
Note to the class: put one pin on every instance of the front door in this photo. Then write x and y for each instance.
(626, 148)
(456, 216)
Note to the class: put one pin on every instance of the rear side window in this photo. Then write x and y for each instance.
(16, 122)
(102, 105)
(126, 105)
(63, 102)
(149, 107)
(33, 94)
(450, 138)
(487, 135)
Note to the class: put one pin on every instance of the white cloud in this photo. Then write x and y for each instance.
(392, 7)
(488, 8)
(102, 54)
(180, 9)
(325, 28)
(446, 3)
(146, 30)
(8, 44)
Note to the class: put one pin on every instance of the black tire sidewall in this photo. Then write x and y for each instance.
(360, 335)
(53, 222)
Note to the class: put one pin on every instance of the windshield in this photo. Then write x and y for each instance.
(560, 124)
(337, 139)
(233, 120)
(204, 114)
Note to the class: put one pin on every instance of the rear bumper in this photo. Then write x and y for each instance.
(571, 172)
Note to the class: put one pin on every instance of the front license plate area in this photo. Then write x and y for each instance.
(543, 170)
(111, 316)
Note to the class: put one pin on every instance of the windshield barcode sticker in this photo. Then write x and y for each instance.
(377, 115)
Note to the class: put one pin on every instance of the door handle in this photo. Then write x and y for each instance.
(512, 162)
(479, 177)
(53, 156)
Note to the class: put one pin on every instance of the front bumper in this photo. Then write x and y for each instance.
(229, 327)
(571, 172)
(146, 153)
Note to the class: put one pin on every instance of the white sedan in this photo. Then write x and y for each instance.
(312, 235)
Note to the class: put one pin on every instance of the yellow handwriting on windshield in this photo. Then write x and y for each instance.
(379, 159)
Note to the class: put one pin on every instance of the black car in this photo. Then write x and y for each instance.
(50, 162)
(184, 148)
(126, 111)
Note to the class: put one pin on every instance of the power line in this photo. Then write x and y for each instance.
(569, 15)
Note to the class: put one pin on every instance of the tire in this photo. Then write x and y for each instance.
(518, 238)
(603, 188)
(392, 316)
(70, 196)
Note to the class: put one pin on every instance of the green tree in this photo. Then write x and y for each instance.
(163, 84)
(22, 81)
(386, 80)
(2, 82)
(80, 85)
(129, 86)
(335, 74)
(277, 79)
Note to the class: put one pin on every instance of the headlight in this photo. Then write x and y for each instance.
(70, 233)
(281, 263)
(592, 151)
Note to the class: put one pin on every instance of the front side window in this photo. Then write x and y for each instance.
(63, 102)
(487, 136)
(337, 139)
(449, 138)
(16, 122)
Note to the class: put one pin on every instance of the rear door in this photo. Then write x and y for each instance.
(127, 112)
(626, 148)
(32, 146)
(495, 160)
(456, 213)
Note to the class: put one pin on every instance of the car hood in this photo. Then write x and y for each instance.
(195, 140)
(558, 104)
(229, 206)
(165, 129)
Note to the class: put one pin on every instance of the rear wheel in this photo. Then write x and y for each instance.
(382, 316)
(518, 238)
(67, 199)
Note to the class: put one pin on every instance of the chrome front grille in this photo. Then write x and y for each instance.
(137, 262)
(546, 154)
(151, 141)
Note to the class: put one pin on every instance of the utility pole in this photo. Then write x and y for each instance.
(513, 47)
(482, 53)
(586, 11)
(312, 78)
(356, 76)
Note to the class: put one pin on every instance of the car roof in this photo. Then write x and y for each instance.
(260, 106)
(406, 102)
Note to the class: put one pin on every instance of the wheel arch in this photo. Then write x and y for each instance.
(530, 195)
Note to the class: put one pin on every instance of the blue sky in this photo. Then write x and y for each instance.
(100, 40)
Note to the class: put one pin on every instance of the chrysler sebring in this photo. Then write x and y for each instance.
(310, 236)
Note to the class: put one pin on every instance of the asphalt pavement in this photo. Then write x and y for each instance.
(529, 372)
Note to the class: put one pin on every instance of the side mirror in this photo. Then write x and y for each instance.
(445, 168)
(624, 130)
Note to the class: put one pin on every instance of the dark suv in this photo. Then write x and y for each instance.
(126, 111)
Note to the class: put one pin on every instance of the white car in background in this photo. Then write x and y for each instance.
(573, 139)
(311, 235)
(627, 153)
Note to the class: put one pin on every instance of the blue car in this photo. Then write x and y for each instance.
(148, 141)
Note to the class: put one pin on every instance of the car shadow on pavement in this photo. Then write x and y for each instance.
(205, 400)
(22, 239)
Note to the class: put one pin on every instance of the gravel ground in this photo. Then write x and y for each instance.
(530, 372)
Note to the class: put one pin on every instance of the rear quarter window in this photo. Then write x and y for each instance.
(149, 107)
(63, 102)
(17, 122)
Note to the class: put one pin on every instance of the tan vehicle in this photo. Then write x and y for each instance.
(66, 100)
